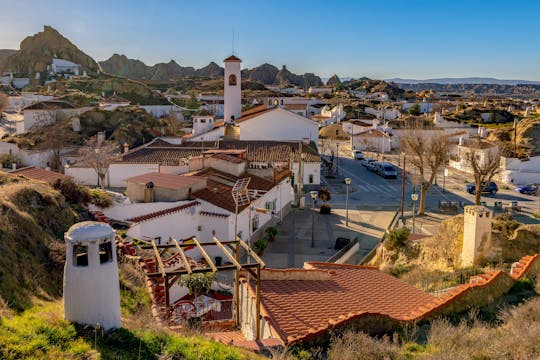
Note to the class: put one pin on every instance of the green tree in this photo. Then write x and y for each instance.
(415, 109)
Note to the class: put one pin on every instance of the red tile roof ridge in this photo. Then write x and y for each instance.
(295, 274)
(160, 213)
(314, 264)
(526, 263)
(209, 213)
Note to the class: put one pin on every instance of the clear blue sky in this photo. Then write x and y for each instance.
(377, 38)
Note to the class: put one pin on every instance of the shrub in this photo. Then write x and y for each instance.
(101, 198)
(260, 245)
(271, 231)
(397, 239)
(73, 193)
(197, 282)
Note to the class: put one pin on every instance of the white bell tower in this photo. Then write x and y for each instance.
(91, 285)
(232, 89)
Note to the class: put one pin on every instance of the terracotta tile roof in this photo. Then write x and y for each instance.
(361, 123)
(232, 58)
(203, 112)
(320, 117)
(295, 106)
(250, 114)
(35, 173)
(173, 155)
(163, 212)
(374, 133)
(219, 186)
(229, 158)
(299, 309)
(257, 151)
(165, 181)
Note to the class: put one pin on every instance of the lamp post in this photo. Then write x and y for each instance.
(444, 178)
(347, 183)
(337, 158)
(414, 197)
(313, 195)
(98, 166)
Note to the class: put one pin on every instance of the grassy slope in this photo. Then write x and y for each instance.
(40, 333)
(33, 218)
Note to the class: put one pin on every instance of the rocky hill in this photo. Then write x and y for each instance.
(121, 65)
(334, 81)
(37, 51)
(266, 74)
(4, 54)
(372, 86)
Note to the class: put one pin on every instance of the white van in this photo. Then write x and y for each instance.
(386, 170)
(357, 155)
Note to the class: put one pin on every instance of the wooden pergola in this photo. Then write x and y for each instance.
(231, 250)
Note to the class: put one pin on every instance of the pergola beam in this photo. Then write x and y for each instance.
(204, 254)
(183, 256)
(251, 252)
(226, 252)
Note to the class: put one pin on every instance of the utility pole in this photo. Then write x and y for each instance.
(403, 186)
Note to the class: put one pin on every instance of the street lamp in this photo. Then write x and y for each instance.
(444, 178)
(313, 195)
(414, 197)
(347, 183)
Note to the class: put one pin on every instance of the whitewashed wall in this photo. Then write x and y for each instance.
(515, 171)
(309, 169)
(279, 125)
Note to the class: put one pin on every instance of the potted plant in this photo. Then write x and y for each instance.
(197, 283)
(271, 231)
(325, 196)
(259, 246)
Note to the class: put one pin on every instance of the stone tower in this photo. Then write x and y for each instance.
(476, 235)
(91, 286)
(232, 89)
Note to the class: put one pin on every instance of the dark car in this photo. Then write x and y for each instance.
(490, 188)
(531, 189)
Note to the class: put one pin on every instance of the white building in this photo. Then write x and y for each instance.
(482, 150)
(60, 66)
(232, 89)
(46, 113)
(372, 140)
(113, 102)
(276, 124)
(320, 90)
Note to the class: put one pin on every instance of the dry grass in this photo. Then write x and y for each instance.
(516, 337)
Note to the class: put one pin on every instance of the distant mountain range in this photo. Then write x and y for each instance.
(466, 80)
(266, 74)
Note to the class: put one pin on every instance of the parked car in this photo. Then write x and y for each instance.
(490, 188)
(366, 161)
(531, 189)
(372, 166)
(357, 155)
(386, 170)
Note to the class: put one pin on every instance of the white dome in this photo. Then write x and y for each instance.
(89, 231)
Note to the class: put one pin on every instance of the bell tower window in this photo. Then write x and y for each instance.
(232, 80)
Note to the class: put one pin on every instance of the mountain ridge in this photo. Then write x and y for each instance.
(267, 74)
(464, 80)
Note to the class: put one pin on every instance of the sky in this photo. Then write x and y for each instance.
(380, 39)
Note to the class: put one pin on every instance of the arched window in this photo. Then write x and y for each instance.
(232, 80)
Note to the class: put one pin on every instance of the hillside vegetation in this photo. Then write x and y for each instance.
(33, 219)
(41, 333)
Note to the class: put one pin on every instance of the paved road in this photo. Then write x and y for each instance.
(369, 189)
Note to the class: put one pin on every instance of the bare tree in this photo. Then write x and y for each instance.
(99, 153)
(485, 165)
(55, 133)
(427, 153)
(3, 102)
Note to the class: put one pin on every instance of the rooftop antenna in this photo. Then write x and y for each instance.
(233, 42)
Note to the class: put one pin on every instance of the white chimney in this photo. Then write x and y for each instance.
(126, 147)
(14, 166)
